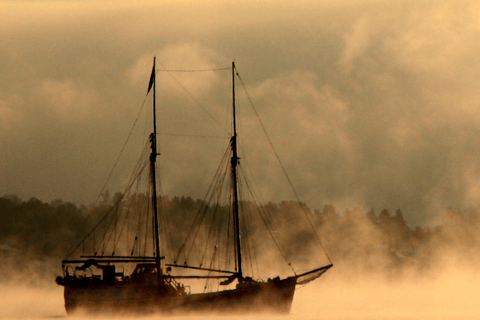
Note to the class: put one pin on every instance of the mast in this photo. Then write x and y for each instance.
(234, 164)
(153, 158)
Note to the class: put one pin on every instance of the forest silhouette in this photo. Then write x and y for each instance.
(35, 235)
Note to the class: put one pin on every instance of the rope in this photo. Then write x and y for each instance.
(70, 250)
(193, 70)
(188, 92)
(267, 222)
(281, 164)
(191, 136)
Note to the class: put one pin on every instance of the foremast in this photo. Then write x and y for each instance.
(234, 165)
(153, 159)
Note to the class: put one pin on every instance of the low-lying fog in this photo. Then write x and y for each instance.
(449, 292)
(383, 268)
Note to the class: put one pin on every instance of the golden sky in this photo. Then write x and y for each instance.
(368, 103)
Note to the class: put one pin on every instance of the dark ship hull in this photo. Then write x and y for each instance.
(274, 296)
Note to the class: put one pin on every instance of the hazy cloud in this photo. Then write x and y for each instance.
(368, 103)
(69, 102)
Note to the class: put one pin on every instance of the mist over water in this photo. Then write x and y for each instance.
(448, 292)
(19, 301)
(375, 275)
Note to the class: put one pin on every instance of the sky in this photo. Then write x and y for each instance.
(367, 103)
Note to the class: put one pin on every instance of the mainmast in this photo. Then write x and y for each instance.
(234, 164)
(153, 158)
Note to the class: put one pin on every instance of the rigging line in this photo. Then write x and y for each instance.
(212, 262)
(191, 135)
(217, 212)
(281, 165)
(217, 204)
(199, 216)
(147, 223)
(166, 240)
(226, 223)
(244, 223)
(218, 181)
(142, 204)
(98, 224)
(208, 236)
(139, 225)
(229, 227)
(194, 70)
(126, 219)
(108, 233)
(249, 235)
(138, 202)
(124, 145)
(111, 209)
(268, 138)
(269, 224)
(166, 225)
(194, 99)
(111, 173)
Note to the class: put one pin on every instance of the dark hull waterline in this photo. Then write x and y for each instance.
(269, 297)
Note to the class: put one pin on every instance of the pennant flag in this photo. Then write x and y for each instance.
(152, 78)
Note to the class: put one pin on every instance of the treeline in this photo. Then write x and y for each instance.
(384, 242)
(360, 239)
(37, 228)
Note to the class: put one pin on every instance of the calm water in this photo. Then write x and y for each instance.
(452, 296)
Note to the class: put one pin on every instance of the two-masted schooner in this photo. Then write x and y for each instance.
(140, 283)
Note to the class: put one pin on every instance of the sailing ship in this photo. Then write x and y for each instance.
(110, 280)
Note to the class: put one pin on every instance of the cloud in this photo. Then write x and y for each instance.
(367, 103)
(68, 101)
(313, 118)
(9, 115)
(356, 43)
(180, 56)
